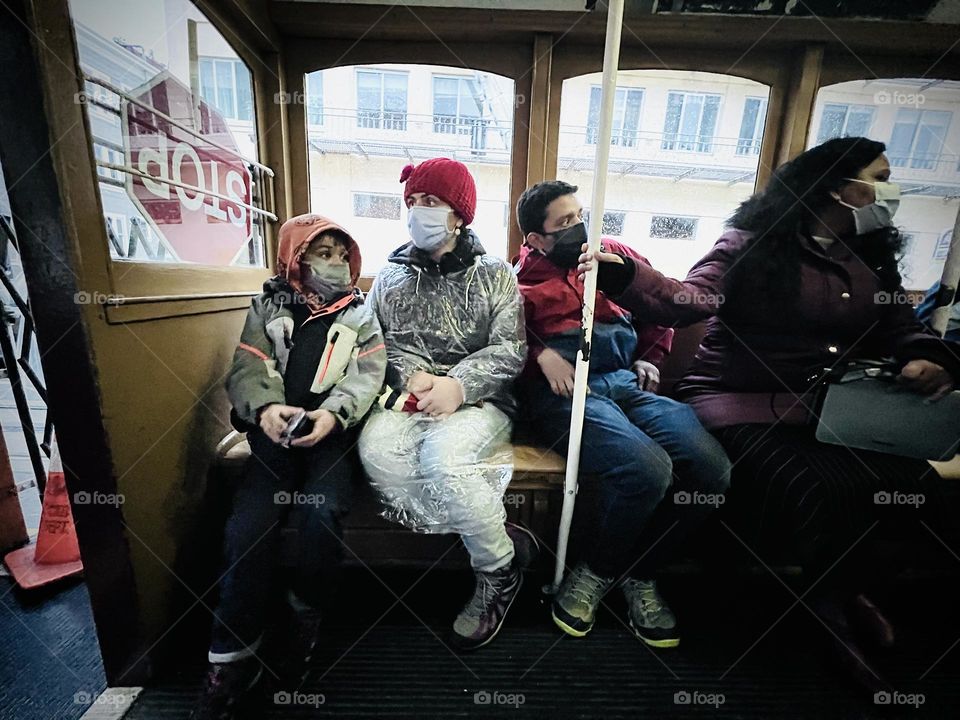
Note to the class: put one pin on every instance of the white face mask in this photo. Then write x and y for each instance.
(879, 213)
(428, 226)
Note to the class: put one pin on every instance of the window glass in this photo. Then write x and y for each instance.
(170, 194)
(612, 222)
(672, 227)
(315, 99)
(368, 205)
(687, 152)
(690, 122)
(371, 129)
(626, 116)
(751, 126)
(915, 118)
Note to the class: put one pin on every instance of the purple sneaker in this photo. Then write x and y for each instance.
(525, 546)
(479, 622)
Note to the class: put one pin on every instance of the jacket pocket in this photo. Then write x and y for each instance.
(340, 349)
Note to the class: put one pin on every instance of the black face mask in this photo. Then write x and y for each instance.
(567, 246)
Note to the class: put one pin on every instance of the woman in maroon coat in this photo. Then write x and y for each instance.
(806, 279)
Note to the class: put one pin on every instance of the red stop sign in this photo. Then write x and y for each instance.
(198, 227)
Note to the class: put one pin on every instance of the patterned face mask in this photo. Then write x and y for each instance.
(324, 278)
(878, 214)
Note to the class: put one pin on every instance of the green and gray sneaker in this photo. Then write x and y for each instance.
(574, 608)
(650, 618)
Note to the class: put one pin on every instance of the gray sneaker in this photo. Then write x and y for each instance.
(574, 609)
(650, 618)
(480, 621)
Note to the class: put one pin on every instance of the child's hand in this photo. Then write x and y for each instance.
(420, 383)
(323, 424)
(443, 399)
(648, 376)
(558, 371)
(274, 419)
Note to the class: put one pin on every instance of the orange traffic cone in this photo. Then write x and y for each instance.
(55, 554)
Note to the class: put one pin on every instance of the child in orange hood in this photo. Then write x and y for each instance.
(309, 347)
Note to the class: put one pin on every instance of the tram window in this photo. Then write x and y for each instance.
(915, 118)
(199, 202)
(679, 165)
(370, 131)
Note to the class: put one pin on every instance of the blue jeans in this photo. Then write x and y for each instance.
(636, 447)
(308, 488)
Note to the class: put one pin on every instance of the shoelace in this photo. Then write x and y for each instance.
(649, 600)
(480, 599)
(585, 585)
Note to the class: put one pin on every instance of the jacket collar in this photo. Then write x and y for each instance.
(459, 259)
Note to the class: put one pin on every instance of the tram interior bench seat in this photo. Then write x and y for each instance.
(533, 498)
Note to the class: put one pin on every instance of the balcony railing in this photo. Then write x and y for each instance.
(379, 127)
(382, 119)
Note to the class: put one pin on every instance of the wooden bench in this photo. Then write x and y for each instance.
(533, 498)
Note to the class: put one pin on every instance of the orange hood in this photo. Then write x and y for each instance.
(295, 235)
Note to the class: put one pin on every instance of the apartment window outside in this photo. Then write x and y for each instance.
(838, 120)
(612, 222)
(225, 83)
(918, 138)
(381, 100)
(378, 206)
(691, 122)
(314, 100)
(456, 104)
(751, 126)
(673, 227)
(626, 116)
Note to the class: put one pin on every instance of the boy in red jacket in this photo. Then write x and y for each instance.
(636, 444)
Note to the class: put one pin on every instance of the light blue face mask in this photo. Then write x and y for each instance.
(428, 226)
(879, 213)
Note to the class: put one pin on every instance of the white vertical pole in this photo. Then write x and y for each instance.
(611, 59)
(947, 295)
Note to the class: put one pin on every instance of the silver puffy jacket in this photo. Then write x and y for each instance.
(462, 317)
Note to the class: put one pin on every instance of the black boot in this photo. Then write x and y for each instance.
(225, 686)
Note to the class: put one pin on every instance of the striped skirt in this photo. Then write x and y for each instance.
(795, 498)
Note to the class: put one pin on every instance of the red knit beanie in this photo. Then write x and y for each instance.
(448, 179)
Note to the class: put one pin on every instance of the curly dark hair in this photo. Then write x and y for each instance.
(532, 205)
(788, 207)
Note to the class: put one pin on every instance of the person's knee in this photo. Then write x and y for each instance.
(713, 469)
(701, 456)
(646, 468)
(250, 529)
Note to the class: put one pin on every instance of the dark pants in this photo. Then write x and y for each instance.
(636, 447)
(311, 487)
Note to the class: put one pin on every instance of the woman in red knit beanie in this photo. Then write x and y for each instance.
(437, 447)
